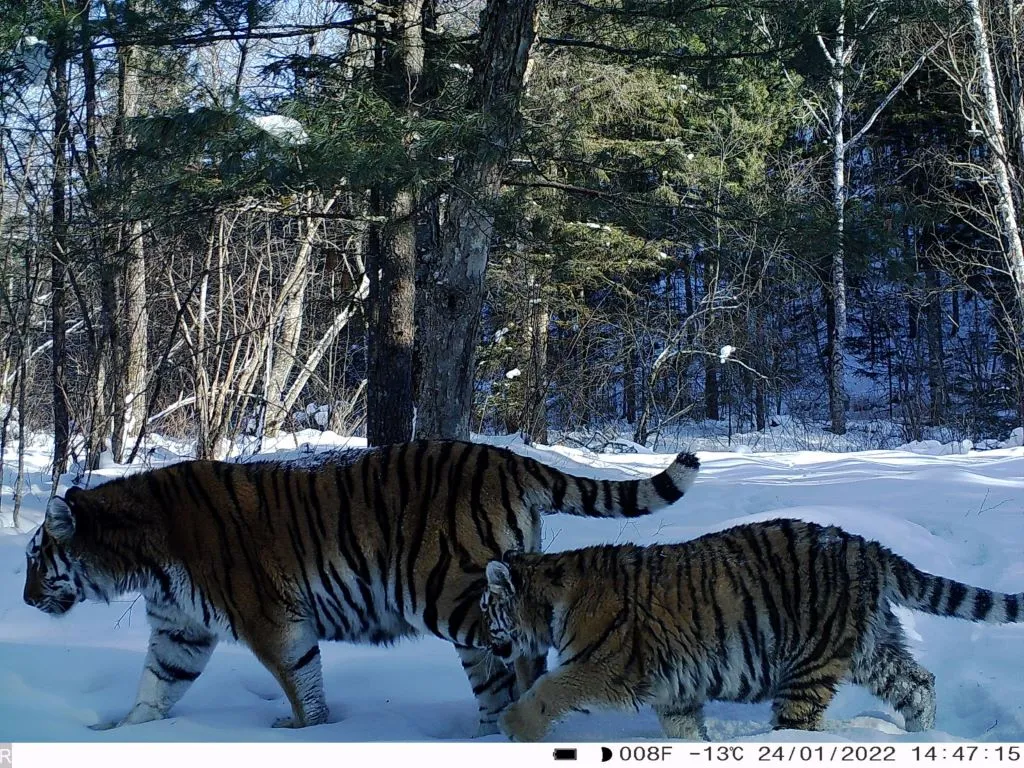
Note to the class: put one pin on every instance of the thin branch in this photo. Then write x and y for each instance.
(220, 35)
(892, 94)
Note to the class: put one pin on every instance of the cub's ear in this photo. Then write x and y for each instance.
(60, 520)
(73, 495)
(499, 579)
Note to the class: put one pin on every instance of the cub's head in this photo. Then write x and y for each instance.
(57, 576)
(501, 612)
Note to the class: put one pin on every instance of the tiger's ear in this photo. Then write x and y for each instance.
(60, 520)
(499, 579)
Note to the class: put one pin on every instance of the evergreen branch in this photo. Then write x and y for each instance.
(650, 53)
(617, 198)
(206, 37)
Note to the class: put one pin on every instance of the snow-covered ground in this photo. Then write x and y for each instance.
(956, 515)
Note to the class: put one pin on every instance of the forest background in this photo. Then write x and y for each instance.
(569, 219)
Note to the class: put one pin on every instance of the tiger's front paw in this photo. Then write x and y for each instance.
(316, 717)
(523, 723)
(141, 713)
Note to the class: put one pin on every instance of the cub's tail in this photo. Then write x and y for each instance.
(945, 597)
(555, 491)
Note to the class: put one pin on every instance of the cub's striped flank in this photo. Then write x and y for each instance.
(782, 611)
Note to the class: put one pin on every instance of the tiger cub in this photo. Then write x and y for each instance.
(781, 610)
(369, 547)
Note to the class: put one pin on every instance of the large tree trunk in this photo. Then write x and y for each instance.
(133, 325)
(391, 254)
(448, 307)
(103, 340)
(391, 268)
(58, 262)
(130, 409)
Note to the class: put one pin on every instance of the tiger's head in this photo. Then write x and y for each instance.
(500, 608)
(58, 574)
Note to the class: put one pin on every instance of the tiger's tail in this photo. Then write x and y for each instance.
(555, 491)
(940, 596)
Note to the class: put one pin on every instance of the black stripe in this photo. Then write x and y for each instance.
(957, 593)
(1011, 603)
(609, 502)
(666, 487)
(982, 604)
(306, 658)
(491, 681)
(936, 597)
(478, 510)
(178, 637)
(587, 489)
(196, 489)
(171, 673)
(236, 514)
(558, 488)
(628, 498)
(434, 586)
(427, 489)
(511, 518)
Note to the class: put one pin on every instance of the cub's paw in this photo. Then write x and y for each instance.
(285, 722)
(522, 723)
(104, 726)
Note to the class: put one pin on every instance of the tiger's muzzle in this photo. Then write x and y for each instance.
(53, 603)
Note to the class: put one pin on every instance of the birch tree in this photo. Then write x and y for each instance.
(854, 33)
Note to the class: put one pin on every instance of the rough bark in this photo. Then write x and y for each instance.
(391, 266)
(102, 337)
(130, 338)
(391, 254)
(130, 409)
(58, 261)
(451, 296)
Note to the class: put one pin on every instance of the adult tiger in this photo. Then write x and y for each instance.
(389, 543)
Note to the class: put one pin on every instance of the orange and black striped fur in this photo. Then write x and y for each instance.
(369, 547)
(782, 611)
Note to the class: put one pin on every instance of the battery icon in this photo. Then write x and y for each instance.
(565, 754)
